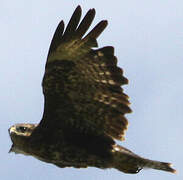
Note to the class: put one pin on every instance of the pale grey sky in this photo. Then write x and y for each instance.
(148, 41)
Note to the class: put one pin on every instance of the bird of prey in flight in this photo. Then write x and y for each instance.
(84, 105)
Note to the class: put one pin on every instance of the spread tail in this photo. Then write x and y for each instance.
(128, 162)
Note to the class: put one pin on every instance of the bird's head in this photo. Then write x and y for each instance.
(20, 134)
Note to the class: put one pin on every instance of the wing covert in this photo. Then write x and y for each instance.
(81, 85)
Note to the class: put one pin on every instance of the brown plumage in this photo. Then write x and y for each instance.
(85, 106)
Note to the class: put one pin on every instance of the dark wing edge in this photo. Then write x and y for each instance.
(74, 30)
(100, 71)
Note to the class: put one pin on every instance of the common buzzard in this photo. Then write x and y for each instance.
(84, 105)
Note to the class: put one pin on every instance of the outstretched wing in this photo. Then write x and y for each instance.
(81, 85)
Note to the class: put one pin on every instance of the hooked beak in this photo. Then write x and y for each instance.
(11, 149)
(12, 146)
(11, 130)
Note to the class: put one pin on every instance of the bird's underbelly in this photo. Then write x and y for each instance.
(66, 156)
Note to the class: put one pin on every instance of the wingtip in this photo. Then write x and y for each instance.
(105, 22)
(61, 23)
(92, 10)
(78, 7)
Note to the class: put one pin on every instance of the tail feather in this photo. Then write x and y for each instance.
(164, 166)
(128, 162)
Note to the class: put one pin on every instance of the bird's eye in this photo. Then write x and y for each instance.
(21, 129)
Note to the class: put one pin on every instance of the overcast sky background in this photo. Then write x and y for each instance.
(148, 41)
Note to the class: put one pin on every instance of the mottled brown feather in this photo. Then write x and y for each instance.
(82, 86)
(85, 105)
